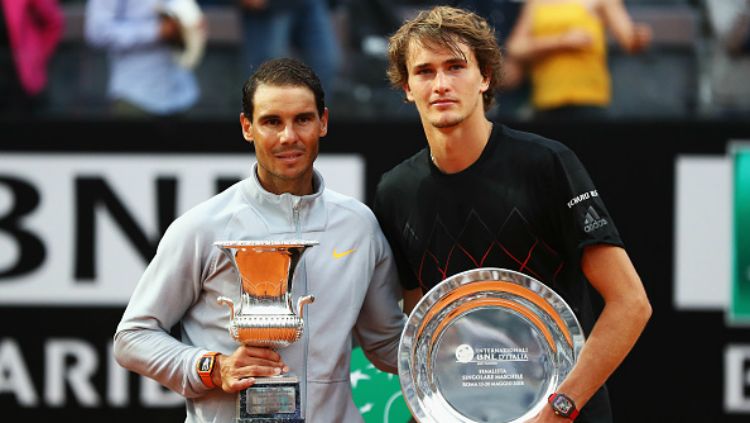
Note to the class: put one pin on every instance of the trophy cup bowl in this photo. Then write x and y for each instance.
(264, 317)
(486, 345)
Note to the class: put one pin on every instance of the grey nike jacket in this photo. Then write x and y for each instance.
(351, 273)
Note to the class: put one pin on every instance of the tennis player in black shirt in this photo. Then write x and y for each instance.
(484, 195)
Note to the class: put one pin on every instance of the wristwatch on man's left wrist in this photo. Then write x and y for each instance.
(205, 366)
(563, 406)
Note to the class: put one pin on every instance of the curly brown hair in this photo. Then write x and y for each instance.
(445, 26)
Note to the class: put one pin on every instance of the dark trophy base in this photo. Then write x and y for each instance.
(271, 400)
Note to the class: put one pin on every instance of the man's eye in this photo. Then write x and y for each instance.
(424, 71)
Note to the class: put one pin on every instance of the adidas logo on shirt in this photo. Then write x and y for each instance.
(593, 221)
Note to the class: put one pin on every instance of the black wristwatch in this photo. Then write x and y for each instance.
(563, 406)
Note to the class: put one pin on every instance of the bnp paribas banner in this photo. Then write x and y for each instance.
(740, 310)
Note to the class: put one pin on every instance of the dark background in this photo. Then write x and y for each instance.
(676, 371)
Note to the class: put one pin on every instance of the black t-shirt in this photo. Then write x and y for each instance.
(527, 204)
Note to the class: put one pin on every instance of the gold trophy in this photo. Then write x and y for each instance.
(265, 318)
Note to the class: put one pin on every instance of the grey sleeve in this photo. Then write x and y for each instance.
(170, 285)
(381, 320)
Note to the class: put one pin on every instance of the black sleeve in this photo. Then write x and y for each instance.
(582, 217)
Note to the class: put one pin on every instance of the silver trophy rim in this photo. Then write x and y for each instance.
(267, 243)
(414, 322)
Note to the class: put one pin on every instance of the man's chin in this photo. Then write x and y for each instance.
(297, 172)
(447, 122)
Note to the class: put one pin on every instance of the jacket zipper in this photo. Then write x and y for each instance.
(295, 217)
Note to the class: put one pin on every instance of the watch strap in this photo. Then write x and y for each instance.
(205, 367)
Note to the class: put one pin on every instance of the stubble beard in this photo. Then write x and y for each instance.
(447, 121)
(450, 120)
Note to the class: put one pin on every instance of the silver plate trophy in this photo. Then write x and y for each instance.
(265, 318)
(486, 345)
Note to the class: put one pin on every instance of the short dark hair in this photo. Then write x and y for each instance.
(282, 72)
(444, 26)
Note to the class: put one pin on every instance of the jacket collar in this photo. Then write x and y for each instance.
(287, 213)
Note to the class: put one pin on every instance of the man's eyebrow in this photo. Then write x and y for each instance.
(451, 61)
(268, 116)
(307, 115)
(421, 66)
(455, 60)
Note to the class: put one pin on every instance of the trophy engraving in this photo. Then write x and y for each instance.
(264, 318)
(486, 345)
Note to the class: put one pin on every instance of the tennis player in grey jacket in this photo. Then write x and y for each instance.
(351, 272)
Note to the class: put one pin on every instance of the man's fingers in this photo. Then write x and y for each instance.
(248, 361)
(239, 370)
(244, 377)
(237, 385)
(261, 352)
(259, 371)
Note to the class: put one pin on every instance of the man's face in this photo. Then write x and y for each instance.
(285, 128)
(446, 88)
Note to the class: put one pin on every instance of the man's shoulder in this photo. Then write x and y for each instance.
(529, 151)
(408, 171)
(533, 142)
(353, 208)
(210, 212)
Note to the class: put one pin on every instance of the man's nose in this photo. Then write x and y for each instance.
(441, 82)
(288, 134)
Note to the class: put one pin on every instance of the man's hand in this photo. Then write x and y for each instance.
(236, 372)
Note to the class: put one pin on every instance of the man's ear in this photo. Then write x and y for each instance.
(324, 123)
(407, 91)
(485, 81)
(247, 127)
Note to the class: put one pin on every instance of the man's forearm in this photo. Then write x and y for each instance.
(610, 341)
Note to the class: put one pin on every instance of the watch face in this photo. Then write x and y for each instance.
(205, 363)
(562, 405)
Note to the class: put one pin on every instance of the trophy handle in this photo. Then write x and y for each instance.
(228, 302)
(301, 301)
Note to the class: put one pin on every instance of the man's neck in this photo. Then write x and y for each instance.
(454, 149)
(299, 187)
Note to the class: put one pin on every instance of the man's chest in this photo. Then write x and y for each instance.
(452, 232)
